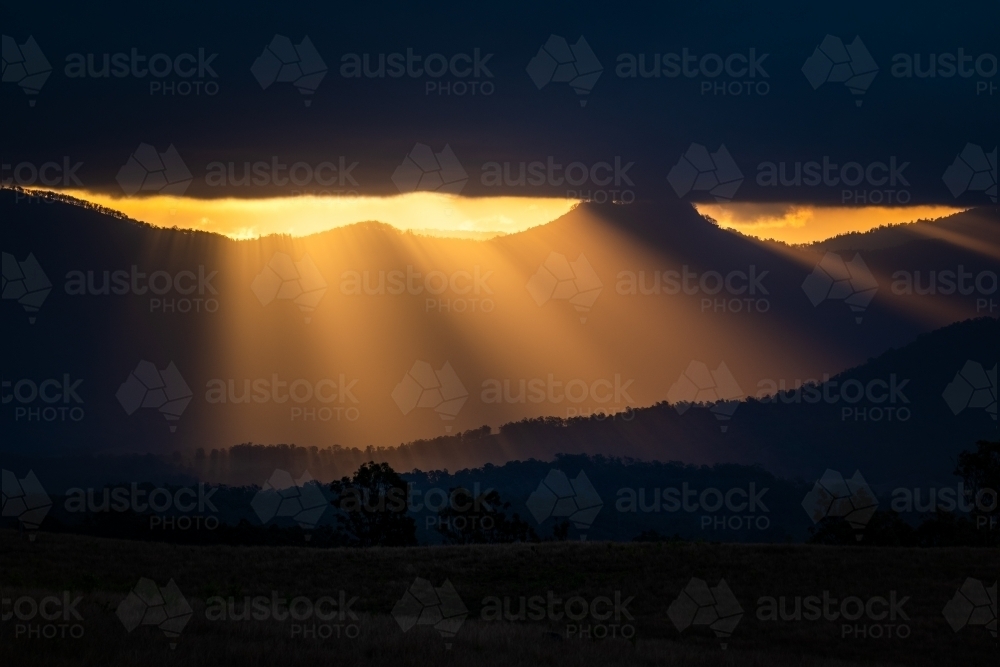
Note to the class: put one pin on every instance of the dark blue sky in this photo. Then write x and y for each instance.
(502, 115)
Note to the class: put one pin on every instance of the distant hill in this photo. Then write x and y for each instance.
(372, 301)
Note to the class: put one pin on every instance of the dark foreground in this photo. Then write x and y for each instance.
(350, 607)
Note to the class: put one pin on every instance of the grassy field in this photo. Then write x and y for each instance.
(652, 575)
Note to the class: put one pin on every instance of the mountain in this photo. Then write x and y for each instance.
(161, 340)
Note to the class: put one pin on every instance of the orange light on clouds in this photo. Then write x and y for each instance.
(794, 224)
(424, 212)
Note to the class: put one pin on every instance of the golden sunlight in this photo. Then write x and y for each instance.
(422, 212)
(794, 223)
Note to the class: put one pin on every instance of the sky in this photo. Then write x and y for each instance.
(714, 103)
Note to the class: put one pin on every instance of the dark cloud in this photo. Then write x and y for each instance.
(498, 115)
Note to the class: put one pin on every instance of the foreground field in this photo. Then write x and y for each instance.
(361, 619)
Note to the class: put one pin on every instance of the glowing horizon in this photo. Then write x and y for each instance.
(795, 223)
(422, 212)
(480, 218)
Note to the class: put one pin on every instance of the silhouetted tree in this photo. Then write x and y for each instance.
(374, 504)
